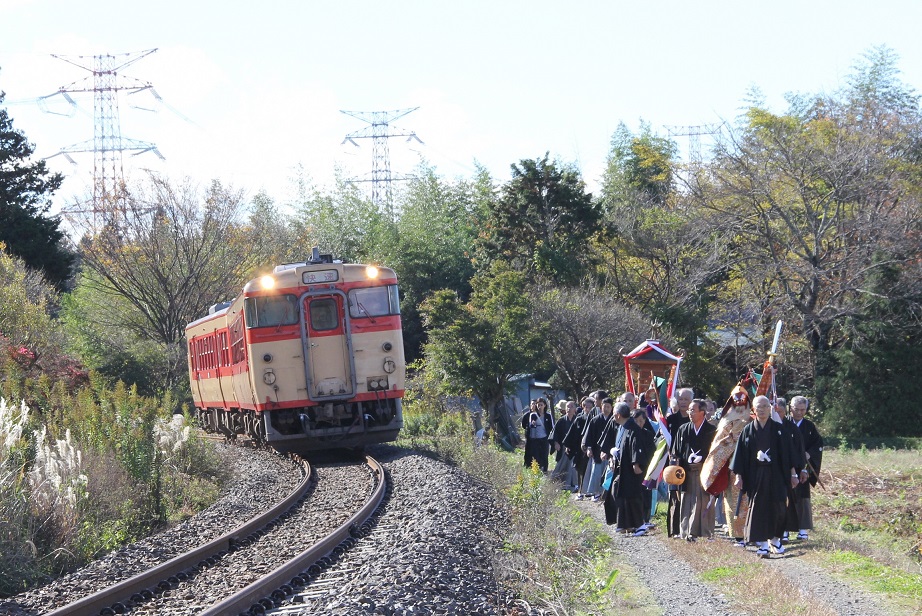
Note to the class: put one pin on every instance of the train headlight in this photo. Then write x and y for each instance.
(371, 271)
(387, 346)
(269, 377)
(267, 282)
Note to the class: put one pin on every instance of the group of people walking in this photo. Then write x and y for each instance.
(749, 465)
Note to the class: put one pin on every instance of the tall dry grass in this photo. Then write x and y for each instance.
(67, 500)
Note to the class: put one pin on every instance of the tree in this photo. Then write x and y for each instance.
(269, 235)
(542, 221)
(475, 347)
(660, 254)
(170, 252)
(24, 300)
(94, 322)
(342, 222)
(435, 237)
(815, 196)
(25, 191)
(640, 171)
(875, 368)
(587, 331)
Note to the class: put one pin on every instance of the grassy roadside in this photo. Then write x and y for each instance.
(92, 471)
(555, 558)
(750, 584)
(869, 522)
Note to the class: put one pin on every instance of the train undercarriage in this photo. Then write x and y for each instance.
(339, 424)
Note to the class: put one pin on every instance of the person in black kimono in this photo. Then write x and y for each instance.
(564, 471)
(572, 443)
(598, 458)
(791, 520)
(649, 434)
(630, 455)
(690, 446)
(764, 467)
(813, 454)
(678, 416)
(538, 425)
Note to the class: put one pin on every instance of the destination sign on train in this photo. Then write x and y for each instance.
(318, 276)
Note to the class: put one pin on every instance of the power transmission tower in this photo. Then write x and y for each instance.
(379, 131)
(107, 144)
(694, 134)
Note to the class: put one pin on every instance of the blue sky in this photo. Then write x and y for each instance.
(254, 89)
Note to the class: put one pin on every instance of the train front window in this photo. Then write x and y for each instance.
(271, 310)
(374, 302)
(323, 314)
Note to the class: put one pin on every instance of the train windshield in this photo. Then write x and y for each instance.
(374, 302)
(271, 310)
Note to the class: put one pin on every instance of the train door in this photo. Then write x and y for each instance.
(194, 367)
(327, 343)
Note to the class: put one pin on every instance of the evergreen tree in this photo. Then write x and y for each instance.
(436, 232)
(542, 221)
(873, 388)
(478, 346)
(25, 191)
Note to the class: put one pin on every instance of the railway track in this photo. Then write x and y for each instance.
(259, 582)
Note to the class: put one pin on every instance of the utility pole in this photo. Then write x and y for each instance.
(379, 131)
(107, 144)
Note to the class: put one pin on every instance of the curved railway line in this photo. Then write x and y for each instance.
(172, 585)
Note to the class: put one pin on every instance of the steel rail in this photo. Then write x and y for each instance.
(152, 580)
(244, 599)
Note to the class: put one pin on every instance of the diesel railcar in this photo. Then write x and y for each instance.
(306, 358)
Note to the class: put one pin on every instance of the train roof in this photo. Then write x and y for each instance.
(304, 275)
(214, 312)
(294, 275)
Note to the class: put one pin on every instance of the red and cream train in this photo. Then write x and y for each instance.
(309, 357)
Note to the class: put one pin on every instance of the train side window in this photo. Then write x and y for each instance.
(374, 302)
(393, 298)
(271, 310)
(225, 350)
(323, 314)
(238, 347)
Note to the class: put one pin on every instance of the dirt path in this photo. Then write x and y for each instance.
(678, 591)
(840, 597)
